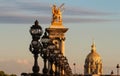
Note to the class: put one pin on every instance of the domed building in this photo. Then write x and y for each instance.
(93, 62)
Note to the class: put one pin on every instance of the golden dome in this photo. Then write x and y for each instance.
(93, 62)
(93, 56)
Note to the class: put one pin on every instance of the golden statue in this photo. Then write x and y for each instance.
(57, 13)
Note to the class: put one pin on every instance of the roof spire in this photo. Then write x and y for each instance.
(93, 47)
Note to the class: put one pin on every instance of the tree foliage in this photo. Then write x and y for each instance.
(2, 73)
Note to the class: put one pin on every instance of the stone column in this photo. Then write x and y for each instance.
(63, 46)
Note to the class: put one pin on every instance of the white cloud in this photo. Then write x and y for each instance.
(23, 62)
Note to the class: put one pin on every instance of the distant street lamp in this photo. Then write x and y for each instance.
(118, 69)
(112, 72)
(74, 64)
(35, 46)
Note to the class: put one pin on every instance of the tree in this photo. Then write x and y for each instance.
(2, 73)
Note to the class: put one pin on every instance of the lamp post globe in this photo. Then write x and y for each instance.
(36, 30)
(51, 47)
(60, 55)
(45, 40)
(65, 60)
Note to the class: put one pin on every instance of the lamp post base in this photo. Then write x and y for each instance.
(31, 74)
(36, 74)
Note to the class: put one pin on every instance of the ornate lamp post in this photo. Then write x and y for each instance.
(59, 63)
(66, 68)
(56, 52)
(44, 53)
(35, 46)
(64, 61)
(68, 71)
(51, 58)
(56, 66)
(118, 69)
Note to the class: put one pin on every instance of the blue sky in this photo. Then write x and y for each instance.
(86, 19)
